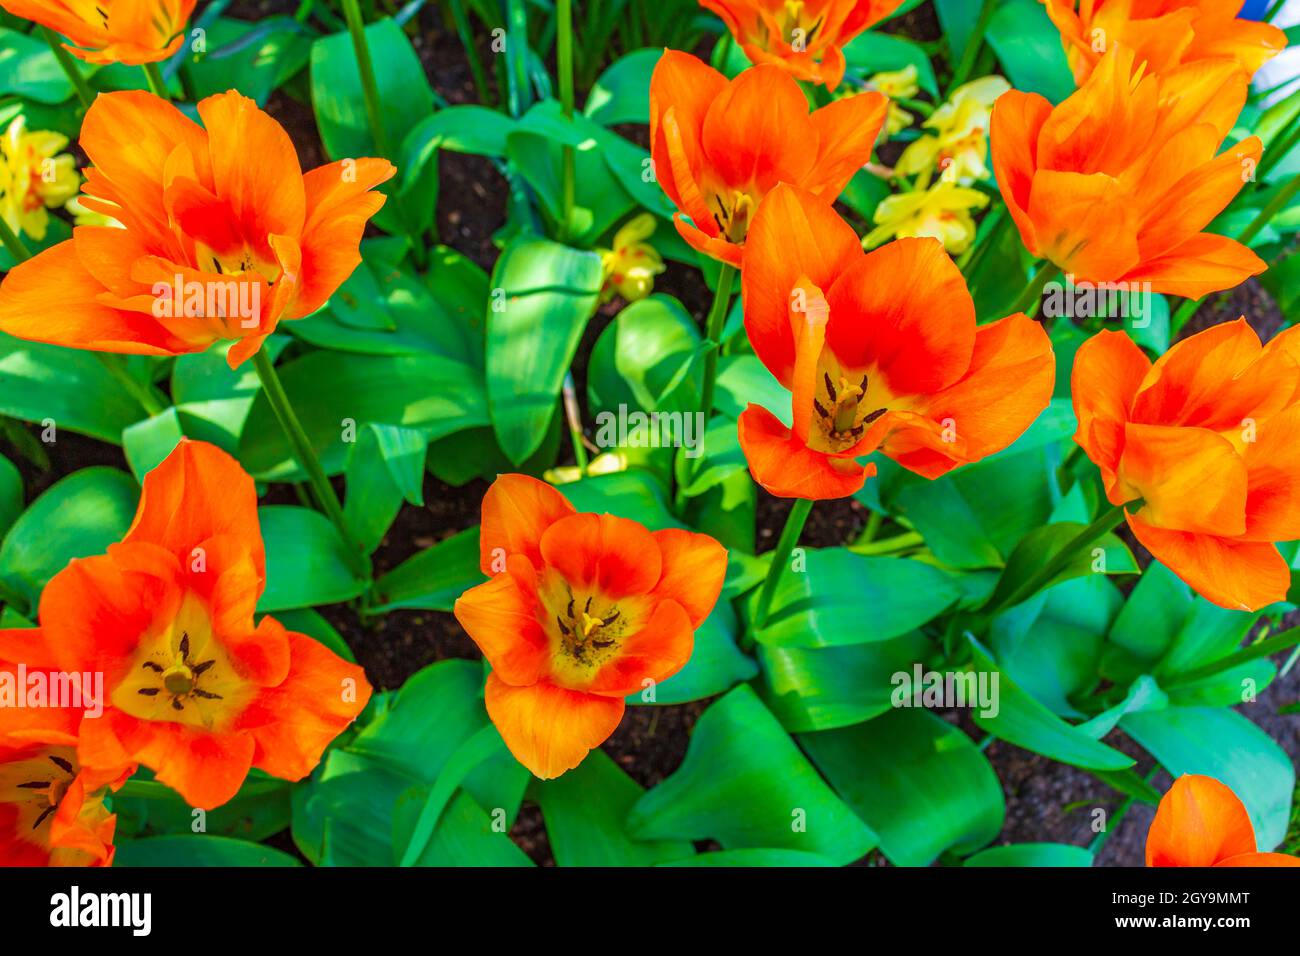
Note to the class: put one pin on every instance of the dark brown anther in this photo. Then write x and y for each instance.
(570, 610)
(820, 410)
(185, 646)
(176, 704)
(34, 785)
(563, 630)
(41, 819)
(206, 695)
(863, 386)
(830, 389)
(586, 608)
(611, 619)
(64, 765)
(151, 666)
(200, 668)
(148, 691)
(874, 415)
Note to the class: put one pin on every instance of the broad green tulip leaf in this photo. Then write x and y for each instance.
(716, 664)
(306, 621)
(149, 441)
(306, 560)
(745, 784)
(830, 597)
(1032, 854)
(147, 808)
(433, 578)
(585, 812)
(928, 788)
(11, 494)
(212, 401)
(755, 857)
(622, 93)
(543, 295)
(1029, 46)
(727, 512)
(386, 468)
(254, 58)
(1107, 554)
(466, 834)
(205, 850)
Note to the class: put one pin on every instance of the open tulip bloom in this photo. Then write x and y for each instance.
(1117, 183)
(192, 687)
(112, 31)
(719, 146)
(1206, 438)
(224, 235)
(878, 350)
(581, 611)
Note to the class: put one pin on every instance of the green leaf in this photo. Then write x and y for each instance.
(875, 52)
(543, 295)
(585, 810)
(622, 93)
(185, 851)
(1107, 554)
(745, 784)
(254, 58)
(1032, 854)
(306, 560)
(67, 388)
(716, 663)
(212, 401)
(827, 687)
(1023, 721)
(753, 858)
(1029, 46)
(1224, 745)
(929, 788)
(11, 494)
(466, 834)
(334, 393)
(627, 494)
(386, 468)
(148, 808)
(149, 441)
(78, 516)
(433, 578)
(28, 69)
(842, 598)
(306, 621)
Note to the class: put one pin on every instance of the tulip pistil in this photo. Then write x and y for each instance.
(51, 791)
(180, 680)
(584, 633)
(842, 416)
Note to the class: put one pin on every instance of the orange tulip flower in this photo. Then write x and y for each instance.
(804, 37)
(224, 234)
(720, 145)
(1200, 822)
(878, 350)
(52, 810)
(112, 31)
(1208, 439)
(191, 688)
(1163, 34)
(1116, 183)
(581, 610)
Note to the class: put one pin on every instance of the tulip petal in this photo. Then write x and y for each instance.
(615, 556)
(846, 134)
(1013, 135)
(654, 653)
(1199, 822)
(517, 510)
(550, 729)
(687, 86)
(1197, 266)
(757, 131)
(1197, 197)
(504, 624)
(1239, 575)
(1191, 479)
(1260, 859)
(1085, 223)
(1108, 371)
(694, 567)
(1273, 467)
(788, 468)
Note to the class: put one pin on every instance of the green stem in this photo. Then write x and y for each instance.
(13, 244)
(892, 545)
(307, 459)
(357, 27)
(968, 55)
(1031, 296)
(1277, 150)
(573, 415)
(713, 329)
(1273, 10)
(157, 85)
(794, 523)
(1106, 522)
(564, 65)
(142, 393)
(69, 66)
(466, 34)
(1281, 641)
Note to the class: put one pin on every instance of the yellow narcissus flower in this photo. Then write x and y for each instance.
(34, 176)
(83, 215)
(942, 212)
(631, 266)
(896, 84)
(958, 143)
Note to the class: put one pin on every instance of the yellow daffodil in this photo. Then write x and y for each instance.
(957, 144)
(631, 266)
(896, 84)
(942, 212)
(83, 215)
(34, 176)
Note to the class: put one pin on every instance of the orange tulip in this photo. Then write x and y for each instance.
(1208, 439)
(582, 610)
(1163, 34)
(878, 350)
(720, 145)
(1116, 183)
(191, 688)
(803, 37)
(52, 810)
(224, 234)
(1200, 822)
(112, 31)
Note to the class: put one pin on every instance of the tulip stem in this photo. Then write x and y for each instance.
(713, 330)
(69, 65)
(1270, 645)
(573, 415)
(968, 55)
(157, 85)
(794, 523)
(564, 66)
(13, 245)
(308, 460)
(357, 27)
(1031, 296)
(144, 394)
